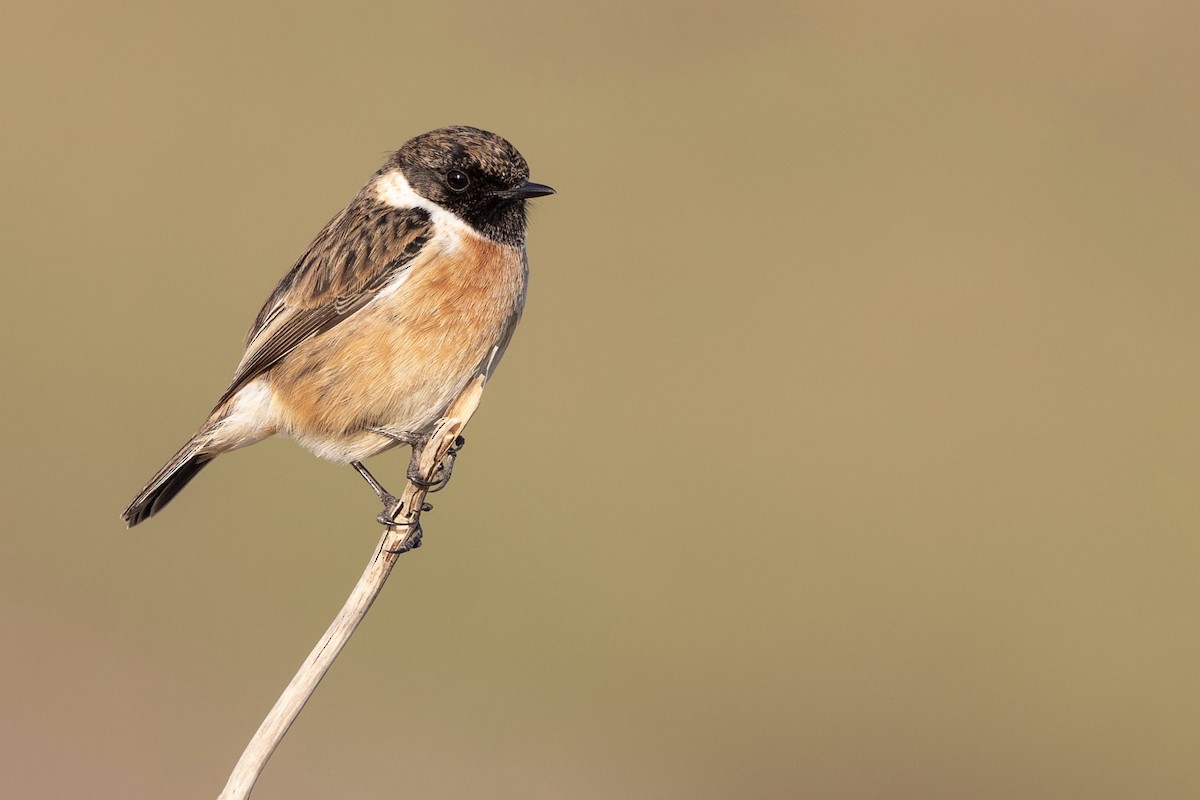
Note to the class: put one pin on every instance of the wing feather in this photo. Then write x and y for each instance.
(358, 253)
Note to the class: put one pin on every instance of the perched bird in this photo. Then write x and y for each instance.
(405, 296)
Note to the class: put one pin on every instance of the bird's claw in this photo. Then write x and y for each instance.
(444, 469)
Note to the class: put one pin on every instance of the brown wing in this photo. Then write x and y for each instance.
(355, 256)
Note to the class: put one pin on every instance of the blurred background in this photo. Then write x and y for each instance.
(849, 447)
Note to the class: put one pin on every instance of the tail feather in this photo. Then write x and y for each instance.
(167, 483)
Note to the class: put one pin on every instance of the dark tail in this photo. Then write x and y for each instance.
(167, 483)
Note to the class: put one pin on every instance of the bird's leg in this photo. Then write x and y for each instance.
(391, 503)
(391, 507)
(418, 441)
(377, 487)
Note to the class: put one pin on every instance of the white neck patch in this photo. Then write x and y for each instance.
(394, 189)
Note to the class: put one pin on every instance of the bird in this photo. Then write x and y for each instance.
(406, 295)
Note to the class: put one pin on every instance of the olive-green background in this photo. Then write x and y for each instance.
(849, 448)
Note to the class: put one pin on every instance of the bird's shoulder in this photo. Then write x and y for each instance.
(357, 254)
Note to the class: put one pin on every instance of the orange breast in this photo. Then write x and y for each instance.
(399, 361)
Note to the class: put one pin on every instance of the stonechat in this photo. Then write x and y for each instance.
(406, 295)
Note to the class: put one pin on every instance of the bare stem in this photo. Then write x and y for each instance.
(408, 519)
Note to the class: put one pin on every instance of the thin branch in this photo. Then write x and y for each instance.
(408, 520)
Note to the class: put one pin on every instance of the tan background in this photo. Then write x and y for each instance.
(849, 447)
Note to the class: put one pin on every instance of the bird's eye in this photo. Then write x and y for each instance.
(457, 180)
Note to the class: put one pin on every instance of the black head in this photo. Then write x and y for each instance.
(477, 175)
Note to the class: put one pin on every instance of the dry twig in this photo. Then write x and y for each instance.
(408, 520)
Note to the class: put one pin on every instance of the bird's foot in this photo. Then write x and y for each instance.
(411, 542)
(441, 477)
(392, 507)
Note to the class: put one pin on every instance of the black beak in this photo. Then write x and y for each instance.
(530, 189)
